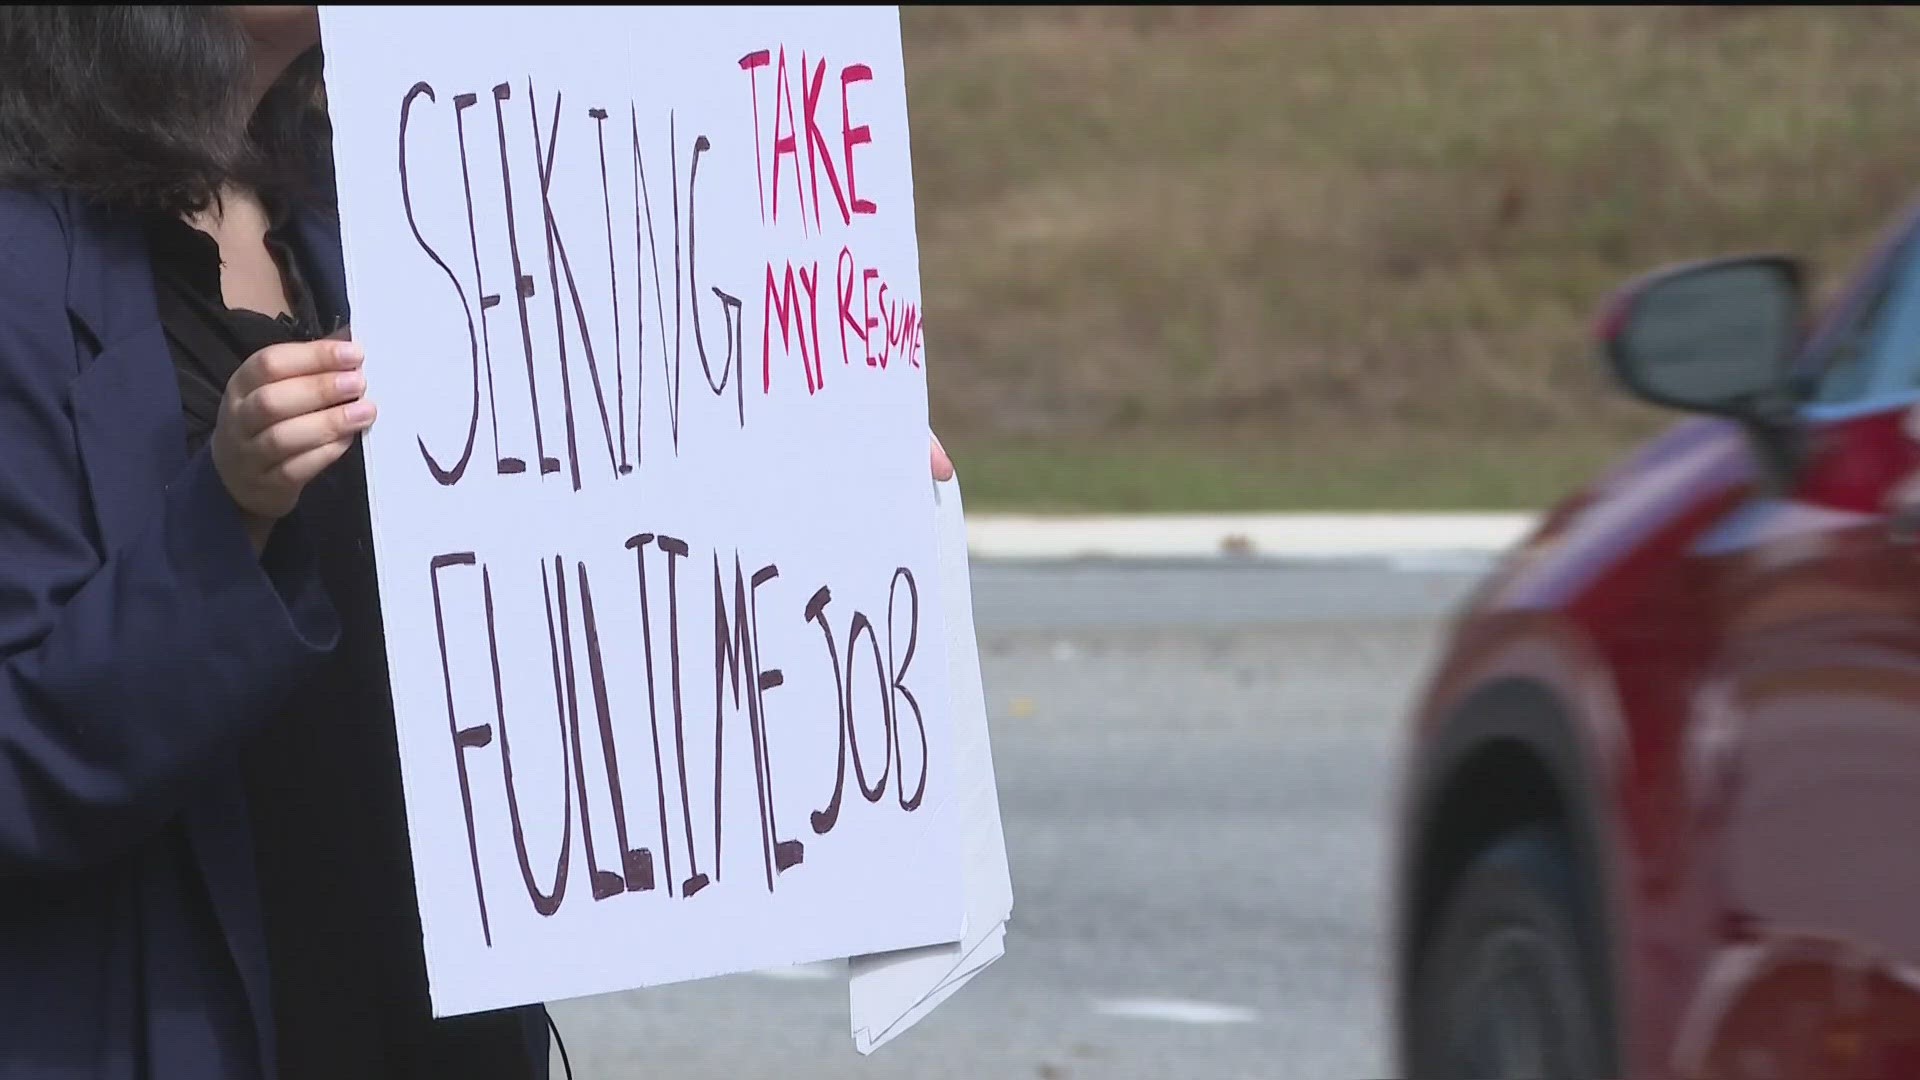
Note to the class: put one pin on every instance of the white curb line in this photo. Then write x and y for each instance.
(1276, 536)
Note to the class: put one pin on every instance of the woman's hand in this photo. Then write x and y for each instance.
(289, 412)
(942, 465)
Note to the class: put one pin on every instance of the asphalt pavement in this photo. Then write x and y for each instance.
(1195, 763)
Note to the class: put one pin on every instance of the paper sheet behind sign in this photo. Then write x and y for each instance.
(890, 992)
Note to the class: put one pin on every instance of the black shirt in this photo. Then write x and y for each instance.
(323, 779)
(208, 339)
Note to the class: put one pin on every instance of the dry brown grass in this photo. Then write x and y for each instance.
(1319, 228)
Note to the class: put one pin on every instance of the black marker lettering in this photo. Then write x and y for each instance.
(464, 739)
(897, 677)
(557, 264)
(730, 306)
(523, 283)
(731, 645)
(546, 903)
(786, 853)
(441, 475)
(638, 545)
(677, 549)
(613, 280)
(862, 624)
(502, 464)
(823, 820)
(669, 363)
(604, 883)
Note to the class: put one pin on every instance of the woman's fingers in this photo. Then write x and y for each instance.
(290, 439)
(299, 470)
(277, 363)
(942, 465)
(298, 396)
(290, 410)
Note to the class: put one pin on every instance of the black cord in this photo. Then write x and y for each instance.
(565, 1062)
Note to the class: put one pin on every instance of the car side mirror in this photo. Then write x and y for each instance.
(1714, 337)
(1719, 338)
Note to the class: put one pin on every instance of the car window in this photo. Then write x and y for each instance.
(1875, 357)
(1899, 338)
(1848, 372)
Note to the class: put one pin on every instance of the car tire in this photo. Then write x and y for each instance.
(1505, 990)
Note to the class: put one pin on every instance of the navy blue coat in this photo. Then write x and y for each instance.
(141, 641)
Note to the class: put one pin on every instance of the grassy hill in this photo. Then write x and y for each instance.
(1207, 258)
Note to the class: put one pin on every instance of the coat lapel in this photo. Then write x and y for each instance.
(128, 370)
(109, 283)
(125, 398)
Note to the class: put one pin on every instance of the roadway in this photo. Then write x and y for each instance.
(1195, 764)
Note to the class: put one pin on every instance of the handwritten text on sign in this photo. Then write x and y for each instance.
(666, 652)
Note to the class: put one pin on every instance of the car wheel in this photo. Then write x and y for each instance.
(1504, 992)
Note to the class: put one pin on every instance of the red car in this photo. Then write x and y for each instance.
(1660, 816)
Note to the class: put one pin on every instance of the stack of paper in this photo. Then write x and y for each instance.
(890, 992)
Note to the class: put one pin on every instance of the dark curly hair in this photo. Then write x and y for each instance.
(141, 107)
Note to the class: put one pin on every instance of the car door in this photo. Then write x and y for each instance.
(1803, 749)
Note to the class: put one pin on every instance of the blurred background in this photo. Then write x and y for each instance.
(1277, 259)
(1327, 258)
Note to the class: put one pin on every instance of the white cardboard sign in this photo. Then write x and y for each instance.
(640, 295)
